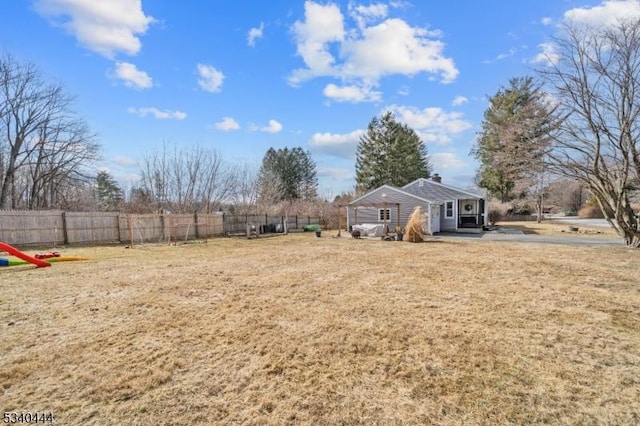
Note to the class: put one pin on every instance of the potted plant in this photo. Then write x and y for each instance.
(399, 233)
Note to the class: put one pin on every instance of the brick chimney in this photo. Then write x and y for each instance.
(436, 178)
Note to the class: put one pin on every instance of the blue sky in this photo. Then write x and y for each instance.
(242, 76)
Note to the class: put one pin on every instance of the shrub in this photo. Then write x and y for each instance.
(494, 216)
(591, 211)
(524, 210)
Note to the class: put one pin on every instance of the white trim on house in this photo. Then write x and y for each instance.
(453, 209)
(384, 217)
(393, 188)
(464, 191)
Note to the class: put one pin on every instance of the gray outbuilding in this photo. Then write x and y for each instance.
(447, 208)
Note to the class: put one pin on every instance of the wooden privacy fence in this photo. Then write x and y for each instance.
(27, 227)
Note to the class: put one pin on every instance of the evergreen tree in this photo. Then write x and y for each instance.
(390, 153)
(516, 133)
(287, 174)
(108, 192)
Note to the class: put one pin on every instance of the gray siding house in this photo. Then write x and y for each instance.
(449, 209)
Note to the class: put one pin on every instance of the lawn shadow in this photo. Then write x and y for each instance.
(527, 230)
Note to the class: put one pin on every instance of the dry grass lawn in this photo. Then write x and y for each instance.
(306, 330)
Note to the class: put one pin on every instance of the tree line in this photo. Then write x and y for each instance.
(48, 157)
(575, 124)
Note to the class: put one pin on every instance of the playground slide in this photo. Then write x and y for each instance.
(14, 262)
(17, 253)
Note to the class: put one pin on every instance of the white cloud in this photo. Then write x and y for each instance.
(339, 145)
(459, 100)
(408, 50)
(132, 76)
(227, 124)
(501, 56)
(364, 15)
(353, 94)
(124, 161)
(273, 127)
(254, 34)
(323, 24)
(548, 55)
(158, 114)
(447, 160)
(432, 124)
(546, 21)
(400, 4)
(105, 27)
(335, 173)
(507, 54)
(210, 79)
(434, 138)
(608, 13)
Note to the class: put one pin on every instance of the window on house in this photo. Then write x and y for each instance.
(384, 214)
(448, 210)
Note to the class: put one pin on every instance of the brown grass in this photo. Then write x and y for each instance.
(306, 330)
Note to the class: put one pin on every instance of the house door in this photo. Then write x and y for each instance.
(434, 218)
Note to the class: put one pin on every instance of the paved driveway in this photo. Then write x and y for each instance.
(542, 239)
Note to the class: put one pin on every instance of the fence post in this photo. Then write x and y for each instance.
(65, 234)
(195, 225)
(163, 229)
(130, 226)
(297, 227)
(118, 226)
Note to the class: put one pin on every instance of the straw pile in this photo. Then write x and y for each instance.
(415, 226)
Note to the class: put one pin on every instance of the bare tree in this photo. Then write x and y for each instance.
(63, 154)
(597, 85)
(568, 194)
(154, 179)
(187, 180)
(245, 190)
(41, 137)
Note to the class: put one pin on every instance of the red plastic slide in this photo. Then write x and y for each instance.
(17, 253)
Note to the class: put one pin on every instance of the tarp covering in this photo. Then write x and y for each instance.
(370, 229)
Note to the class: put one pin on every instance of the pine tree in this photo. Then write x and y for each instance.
(516, 132)
(108, 192)
(287, 174)
(390, 153)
